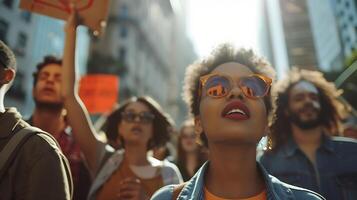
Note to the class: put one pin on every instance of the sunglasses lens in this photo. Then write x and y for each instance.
(146, 117)
(217, 86)
(254, 86)
(128, 116)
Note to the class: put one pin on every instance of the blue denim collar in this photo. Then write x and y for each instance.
(290, 148)
(193, 190)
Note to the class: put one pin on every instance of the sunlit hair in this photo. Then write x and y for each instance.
(331, 107)
(181, 159)
(162, 123)
(222, 54)
(7, 61)
(7, 57)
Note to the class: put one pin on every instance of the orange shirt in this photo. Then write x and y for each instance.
(210, 196)
(110, 189)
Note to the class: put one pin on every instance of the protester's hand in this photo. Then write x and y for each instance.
(72, 20)
(131, 189)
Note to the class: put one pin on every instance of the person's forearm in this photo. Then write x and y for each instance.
(77, 115)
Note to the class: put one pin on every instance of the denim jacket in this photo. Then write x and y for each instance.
(334, 176)
(276, 190)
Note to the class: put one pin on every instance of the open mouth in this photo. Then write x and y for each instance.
(48, 90)
(136, 129)
(236, 110)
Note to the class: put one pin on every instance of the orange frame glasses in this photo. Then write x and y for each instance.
(222, 91)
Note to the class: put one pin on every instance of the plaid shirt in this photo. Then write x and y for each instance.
(72, 151)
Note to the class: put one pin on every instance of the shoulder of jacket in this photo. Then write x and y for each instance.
(344, 140)
(164, 193)
(40, 139)
(345, 145)
(299, 193)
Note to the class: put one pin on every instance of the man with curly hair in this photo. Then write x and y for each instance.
(302, 149)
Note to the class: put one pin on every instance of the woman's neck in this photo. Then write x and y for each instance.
(136, 154)
(233, 166)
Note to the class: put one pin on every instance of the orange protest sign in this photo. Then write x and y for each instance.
(99, 92)
(93, 12)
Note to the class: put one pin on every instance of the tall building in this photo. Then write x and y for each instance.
(17, 30)
(31, 37)
(326, 35)
(346, 14)
(145, 44)
(303, 33)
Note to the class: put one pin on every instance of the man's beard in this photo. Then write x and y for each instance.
(50, 106)
(308, 124)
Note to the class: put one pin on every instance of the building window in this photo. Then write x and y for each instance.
(340, 13)
(344, 26)
(123, 32)
(26, 16)
(4, 26)
(351, 18)
(348, 39)
(347, 4)
(122, 54)
(8, 3)
(124, 11)
(21, 44)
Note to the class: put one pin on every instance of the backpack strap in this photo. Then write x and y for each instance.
(8, 154)
(177, 189)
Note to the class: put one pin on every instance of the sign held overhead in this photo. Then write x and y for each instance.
(94, 13)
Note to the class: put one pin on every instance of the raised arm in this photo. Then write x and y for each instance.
(78, 117)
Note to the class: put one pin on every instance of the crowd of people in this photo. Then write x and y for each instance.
(234, 101)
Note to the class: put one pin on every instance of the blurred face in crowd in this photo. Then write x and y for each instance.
(188, 141)
(48, 87)
(136, 126)
(350, 132)
(304, 105)
(233, 118)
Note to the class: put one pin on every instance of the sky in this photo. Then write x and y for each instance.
(211, 22)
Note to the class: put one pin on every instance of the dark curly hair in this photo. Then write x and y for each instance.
(331, 112)
(49, 59)
(222, 54)
(162, 124)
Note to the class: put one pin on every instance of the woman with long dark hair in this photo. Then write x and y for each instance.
(190, 154)
(140, 124)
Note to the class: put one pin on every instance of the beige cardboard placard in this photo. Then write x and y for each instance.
(94, 13)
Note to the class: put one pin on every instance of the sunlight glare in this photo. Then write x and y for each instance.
(212, 22)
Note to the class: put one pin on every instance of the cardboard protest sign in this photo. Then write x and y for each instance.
(93, 12)
(99, 92)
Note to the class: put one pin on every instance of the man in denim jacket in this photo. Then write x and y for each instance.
(228, 94)
(302, 150)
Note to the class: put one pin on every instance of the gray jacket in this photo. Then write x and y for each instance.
(39, 170)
